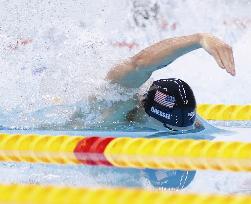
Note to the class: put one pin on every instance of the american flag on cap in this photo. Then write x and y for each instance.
(164, 99)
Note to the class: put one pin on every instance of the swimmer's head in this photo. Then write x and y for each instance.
(172, 102)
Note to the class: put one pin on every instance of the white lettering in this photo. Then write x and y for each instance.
(191, 115)
(160, 113)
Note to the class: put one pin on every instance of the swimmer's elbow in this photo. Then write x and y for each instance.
(131, 73)
(121, 70)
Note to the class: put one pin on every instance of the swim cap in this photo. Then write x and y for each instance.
(172, 102)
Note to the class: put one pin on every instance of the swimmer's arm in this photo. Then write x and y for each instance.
(137, 69)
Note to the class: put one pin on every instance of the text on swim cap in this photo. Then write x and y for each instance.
(191, 114)
(160, 113)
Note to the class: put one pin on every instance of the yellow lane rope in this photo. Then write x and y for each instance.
(224, 112)
(179, 154)
(31, 194)
(127, 152)
(38, 148)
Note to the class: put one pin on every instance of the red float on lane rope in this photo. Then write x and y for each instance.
(90, 150)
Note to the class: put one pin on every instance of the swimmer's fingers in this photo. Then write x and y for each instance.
(217, 58)
(225, 53)
(230, 60)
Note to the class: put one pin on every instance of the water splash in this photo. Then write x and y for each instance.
(57, 53)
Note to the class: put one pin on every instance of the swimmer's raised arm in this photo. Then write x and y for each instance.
(136, 70)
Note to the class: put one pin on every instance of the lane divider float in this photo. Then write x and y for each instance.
(38, 148)
(185, 154)
(35, 194)
(91, 150)
(224, 112)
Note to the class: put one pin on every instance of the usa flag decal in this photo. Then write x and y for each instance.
(164, 100)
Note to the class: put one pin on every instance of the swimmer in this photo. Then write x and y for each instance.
(169, 103)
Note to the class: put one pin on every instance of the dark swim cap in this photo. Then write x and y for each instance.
(172, 102)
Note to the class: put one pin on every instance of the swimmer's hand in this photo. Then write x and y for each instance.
(222, 52)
